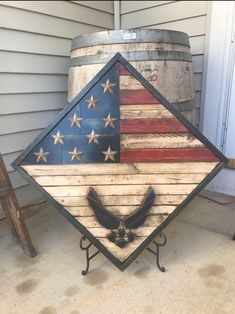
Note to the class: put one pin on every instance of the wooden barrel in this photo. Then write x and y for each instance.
(161, 56)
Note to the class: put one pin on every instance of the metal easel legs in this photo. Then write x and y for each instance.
(90, 257)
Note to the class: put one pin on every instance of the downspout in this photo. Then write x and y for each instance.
(117, 16)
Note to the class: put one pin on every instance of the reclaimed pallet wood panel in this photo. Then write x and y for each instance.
(121, 161)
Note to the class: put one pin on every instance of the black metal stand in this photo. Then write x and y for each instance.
(88, 257)
(156, 253)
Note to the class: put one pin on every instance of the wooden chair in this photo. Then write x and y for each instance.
(13, 213)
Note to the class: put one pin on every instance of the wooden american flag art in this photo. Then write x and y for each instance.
(120, 162)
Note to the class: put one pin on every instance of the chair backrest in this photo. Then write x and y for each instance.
(5, 183)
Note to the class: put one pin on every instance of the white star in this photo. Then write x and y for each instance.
(109, 154)
(93, 137)
(92, 102)
(109, 121)
(41, 155)
(58, 138)
(108, 86)
(75, 155)
(75, 120)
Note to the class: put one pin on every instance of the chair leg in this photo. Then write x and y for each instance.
(19, 224)
(9, 220)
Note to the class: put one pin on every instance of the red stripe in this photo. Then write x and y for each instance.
(137, 96)
(163, 125)
(123, 71)
(168, 155)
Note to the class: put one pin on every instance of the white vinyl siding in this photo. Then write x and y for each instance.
(34, 58)
(186, 16)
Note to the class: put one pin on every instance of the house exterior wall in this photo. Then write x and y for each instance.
(34, 57)
(187, 16)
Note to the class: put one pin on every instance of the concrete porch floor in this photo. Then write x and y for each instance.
(199, 258)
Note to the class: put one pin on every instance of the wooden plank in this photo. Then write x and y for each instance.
(26, 83)
(168, 154)
(18, 62)
(121, 254)
(149, 179)
(85, 211)
(26, 121)
(128, 82)
(128, 168)
(120, 189)
(140, 232)
(141, 141)
(164, 125)
(138, 96)
(13, 18)
(144, 111)
(91, 222)
(177, 10)
(83, 169)
(31, 102)
(65, 10)
(113, 200)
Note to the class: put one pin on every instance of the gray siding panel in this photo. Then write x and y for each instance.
(19, 103)
(161, 14)
(34, 57)
(66, 10)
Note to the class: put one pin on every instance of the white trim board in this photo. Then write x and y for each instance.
(219, 88)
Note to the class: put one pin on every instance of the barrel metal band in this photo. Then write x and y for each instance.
(133, 56)
(185, 106)
(130, 36)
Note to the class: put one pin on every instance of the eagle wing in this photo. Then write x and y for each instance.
(104, 217)
(138, 217)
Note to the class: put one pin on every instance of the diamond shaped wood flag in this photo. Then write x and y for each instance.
(120, 162)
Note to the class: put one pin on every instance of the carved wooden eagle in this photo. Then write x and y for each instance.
(123, 235)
